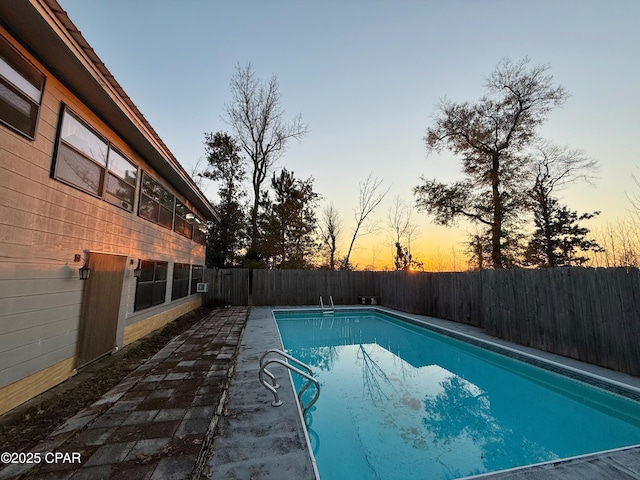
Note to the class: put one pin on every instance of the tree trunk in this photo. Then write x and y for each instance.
(548, 233)
(496, 225)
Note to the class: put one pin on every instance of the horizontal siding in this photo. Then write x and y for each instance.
(26, 360)
(54, 212)
(14, 288)
(47, 266)
(16, 393)
(43, 224)
(37, 333)
(143, 325)
(38, 302)
(34, 319)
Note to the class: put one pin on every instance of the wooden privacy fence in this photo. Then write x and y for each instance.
(453, 296)
(227, 286)
(304, 287)
(588, 314)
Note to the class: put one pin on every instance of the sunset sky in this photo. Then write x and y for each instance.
(366, 77)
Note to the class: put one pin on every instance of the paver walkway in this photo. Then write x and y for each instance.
(158, 422)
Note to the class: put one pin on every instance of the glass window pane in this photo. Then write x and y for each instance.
(148, 186)
(18, 112)
(148, 209)
(20, 72)
(197, 275)
(181, 209)
(146, 271)
(21, 86)
(166, 217)
(144, 293)
(166, 199)
(159, 292)
(152, 284)
(161, 270)
(123, 168)
(76, 134)
(200, 233)
(77, 170)
(19, 81)
(180, 286)
(183, 227)
(14, 100)
(119, 193)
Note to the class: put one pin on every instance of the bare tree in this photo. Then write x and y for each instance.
(257, 118)
(370, 198)
(558, 165)
(403, 229)
(398, 218)
(620, 242)
(195, 172)
(330, 227)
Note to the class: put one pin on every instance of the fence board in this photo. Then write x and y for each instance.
(589, 314)
(227, 286)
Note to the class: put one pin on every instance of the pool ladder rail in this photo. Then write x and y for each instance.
(273, 386)
(328, 310)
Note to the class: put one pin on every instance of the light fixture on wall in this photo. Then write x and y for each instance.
(84, 271)
(138, 270)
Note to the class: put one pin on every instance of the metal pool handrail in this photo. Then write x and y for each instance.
(273, 387)
(322, 305)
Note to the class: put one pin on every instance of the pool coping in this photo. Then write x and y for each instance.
(614, 382)
(254, 439)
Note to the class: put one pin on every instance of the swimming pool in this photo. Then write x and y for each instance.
(400, 401)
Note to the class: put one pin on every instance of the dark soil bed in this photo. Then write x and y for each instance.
(24, 427)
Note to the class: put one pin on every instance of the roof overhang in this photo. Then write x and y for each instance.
(45, 30)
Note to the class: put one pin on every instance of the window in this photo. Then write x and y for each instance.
(184, 220)
(121, 181)
(200, 232)
(87, 161)
(180, 280)
(151, 285)
(21, 86)
(156, 202)
(82, 155)
(197, 275)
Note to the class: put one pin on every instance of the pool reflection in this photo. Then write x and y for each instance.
(396, 400)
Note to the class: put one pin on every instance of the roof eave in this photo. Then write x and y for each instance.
(51, 37)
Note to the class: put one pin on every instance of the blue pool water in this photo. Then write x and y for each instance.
(402, 402)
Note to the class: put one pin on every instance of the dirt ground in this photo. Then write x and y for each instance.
(24, 427)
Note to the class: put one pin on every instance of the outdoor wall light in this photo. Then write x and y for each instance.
(138, 270)
(84, 271)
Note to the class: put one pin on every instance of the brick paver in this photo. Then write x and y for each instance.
(155, 423)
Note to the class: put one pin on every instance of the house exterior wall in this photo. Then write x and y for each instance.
(44, 224)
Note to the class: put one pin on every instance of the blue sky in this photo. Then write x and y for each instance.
(366, 76)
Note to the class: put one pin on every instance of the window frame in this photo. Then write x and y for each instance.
(26, 72)
(200, 231)
(144, 197)
(182, 217)
(112, 173)
(65, 147)
(180, 284)
(154, 285)
(194, 284)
